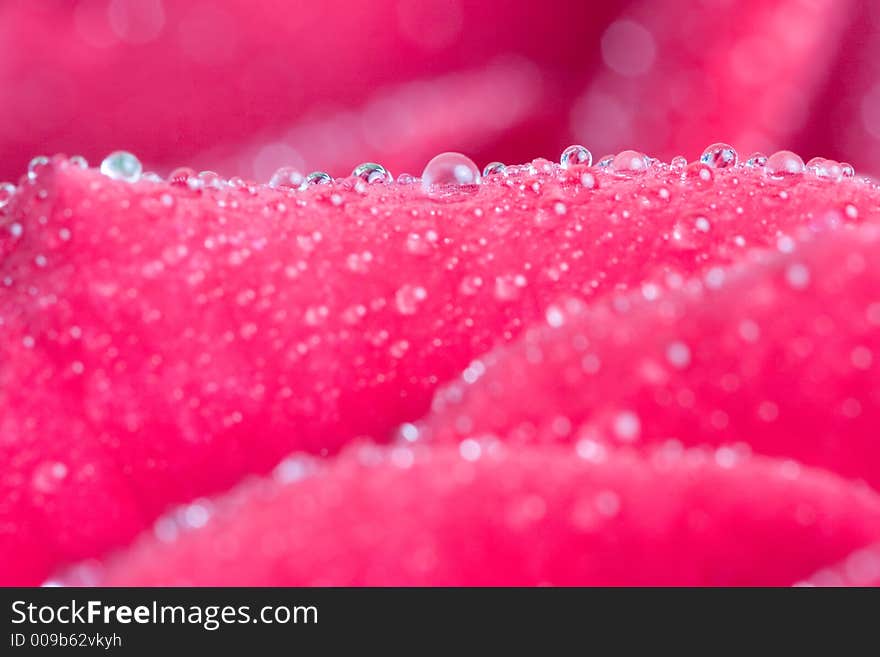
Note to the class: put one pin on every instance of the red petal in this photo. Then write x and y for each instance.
(189, 338)
(782, 354)
(524, 517)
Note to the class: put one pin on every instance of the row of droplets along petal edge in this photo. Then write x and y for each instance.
(452, 171)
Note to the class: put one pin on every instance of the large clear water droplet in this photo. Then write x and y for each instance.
(575, 154)
(286, 178)
(630, 162)
(372, 173)
(36, 165)
(783, 164)
(824, 168)
(719, 156)
(449, 170)
(318, 178)
(494, 169)
(122, 165)
(7, 191)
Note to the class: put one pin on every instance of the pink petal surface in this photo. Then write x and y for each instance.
(162, 342)
(861, 568)
(529, 516)
(780, 353)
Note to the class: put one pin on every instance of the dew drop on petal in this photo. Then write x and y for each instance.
(7, 191)
(181, 175)
(450, 169)
(575, 154)
(122, 165)
(79, 162)
(630, 162)
(824, 168)
(286, 178)
(719, 156)
(494, 169)
(756, 160)
(783, 164)
(48, 476)
(408, 298)
(36, 165)
(605, 161)
(678, 163)
(317, 178)
(847, 170)
(372, 173)
(699, 173)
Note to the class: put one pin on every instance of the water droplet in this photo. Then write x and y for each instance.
(627, 427)
(847, 170)
(181, 175)
(372, 173)
(509, 286)
(7, 191)
(286, 178)
(699, 173)
(678, 354)
(48, 476)
(211, 179)
(823, 168)
(630, 162)
(122, 165)
(757, 161)
(449, 169)
(783, 164)
(678, 163)
(719, 156)
(317, 178)
(36, 165)
(494, 169)
(408, 298)
(406, 179)
(575, 154)
(79, 161)
(605, 161)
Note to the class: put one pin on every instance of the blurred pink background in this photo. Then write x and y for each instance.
(243, 87)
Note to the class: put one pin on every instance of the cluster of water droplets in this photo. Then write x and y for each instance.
(451, 174)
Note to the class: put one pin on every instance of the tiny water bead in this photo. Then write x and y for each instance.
(79, 162)
(630, 162)
(678, 163)
(847, 170)
(36, 165)
(783, 164)
(7, 191)
(122, 165)
(719, 156)
(699, 173)
(575, 154)
(756, 160)
(494, 169)
(318, 178)
(605, 161)
(181, 176)
(449, 169)
(372, 173)
(286, 178)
